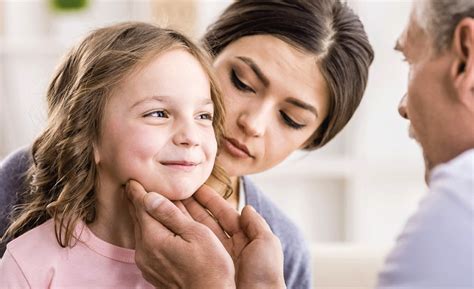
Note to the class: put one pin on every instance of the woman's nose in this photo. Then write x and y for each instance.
(402, 107)
(254, 120)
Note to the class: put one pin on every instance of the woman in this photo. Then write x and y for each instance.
(292, 73)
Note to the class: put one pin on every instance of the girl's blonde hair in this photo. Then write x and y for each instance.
(63, 177)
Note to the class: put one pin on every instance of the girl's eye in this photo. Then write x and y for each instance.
(206, 116)
(238, 83)
(158, 113)
(290, 122)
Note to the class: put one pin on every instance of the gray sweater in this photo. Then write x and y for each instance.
(296, 254)
(297, 268)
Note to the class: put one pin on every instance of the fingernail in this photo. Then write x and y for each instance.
(152, 201)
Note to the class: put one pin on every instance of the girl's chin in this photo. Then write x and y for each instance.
(177, 193)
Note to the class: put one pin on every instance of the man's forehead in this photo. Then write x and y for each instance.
(413, 34)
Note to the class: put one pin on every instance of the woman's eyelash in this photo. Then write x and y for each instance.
(238, 83)
(290, 122)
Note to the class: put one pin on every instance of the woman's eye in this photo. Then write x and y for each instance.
(206, 116)
(238, 83)
(158, 113)
(290, 122)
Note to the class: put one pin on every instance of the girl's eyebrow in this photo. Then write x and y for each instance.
(207, 101)
(148, 99)
(256, 69)
(159, 98)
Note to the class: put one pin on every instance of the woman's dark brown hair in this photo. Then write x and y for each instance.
(328, 29)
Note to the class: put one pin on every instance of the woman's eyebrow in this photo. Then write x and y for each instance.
(303, 105)
(255, 69)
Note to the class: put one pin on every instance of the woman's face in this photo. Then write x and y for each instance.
(275, 98)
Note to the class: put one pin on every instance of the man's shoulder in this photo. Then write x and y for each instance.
(435, 248)
(454, 181)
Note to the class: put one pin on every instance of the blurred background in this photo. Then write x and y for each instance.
(350, 198)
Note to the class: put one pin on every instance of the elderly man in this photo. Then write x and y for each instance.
(436, 248)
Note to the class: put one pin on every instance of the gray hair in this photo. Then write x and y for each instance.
(439, 19)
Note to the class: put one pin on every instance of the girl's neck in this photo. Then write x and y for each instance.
(234, 198)
(113, 222)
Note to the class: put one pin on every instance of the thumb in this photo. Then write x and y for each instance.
(253, 224)
(166, 213)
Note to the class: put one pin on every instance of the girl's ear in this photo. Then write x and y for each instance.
(96, 153)
(462, 70)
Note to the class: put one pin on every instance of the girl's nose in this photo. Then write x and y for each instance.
(186, 135)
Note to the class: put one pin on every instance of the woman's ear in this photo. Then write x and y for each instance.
(462, 70)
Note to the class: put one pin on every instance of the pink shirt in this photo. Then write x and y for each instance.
(36, 260)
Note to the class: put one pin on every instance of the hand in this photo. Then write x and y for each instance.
(256, 251)
(172, 250)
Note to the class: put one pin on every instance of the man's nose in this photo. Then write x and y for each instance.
(402, 107)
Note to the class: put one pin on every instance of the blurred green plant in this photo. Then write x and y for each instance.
(68, 5)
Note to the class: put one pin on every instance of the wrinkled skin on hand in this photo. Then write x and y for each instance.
(203, 242)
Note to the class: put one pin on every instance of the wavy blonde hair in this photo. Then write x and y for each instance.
(63, 177)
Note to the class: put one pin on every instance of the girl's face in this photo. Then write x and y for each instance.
(275, 98)
(157, 128)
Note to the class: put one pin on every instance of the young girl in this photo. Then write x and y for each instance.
(132, 101)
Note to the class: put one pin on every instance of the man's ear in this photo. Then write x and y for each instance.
(462, 71)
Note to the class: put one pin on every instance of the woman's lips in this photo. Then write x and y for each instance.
(236, 149)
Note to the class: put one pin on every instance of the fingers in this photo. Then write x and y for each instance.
(143, 222)
(253, 224)
(224, 213)
(136, 223)
(201, 215)
(154, 213)
(135, 193)
(182, 208)
(166, 213)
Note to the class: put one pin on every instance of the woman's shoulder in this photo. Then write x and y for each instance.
(13, 170)
(279, 222)
(295, 248)
(16, 161)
